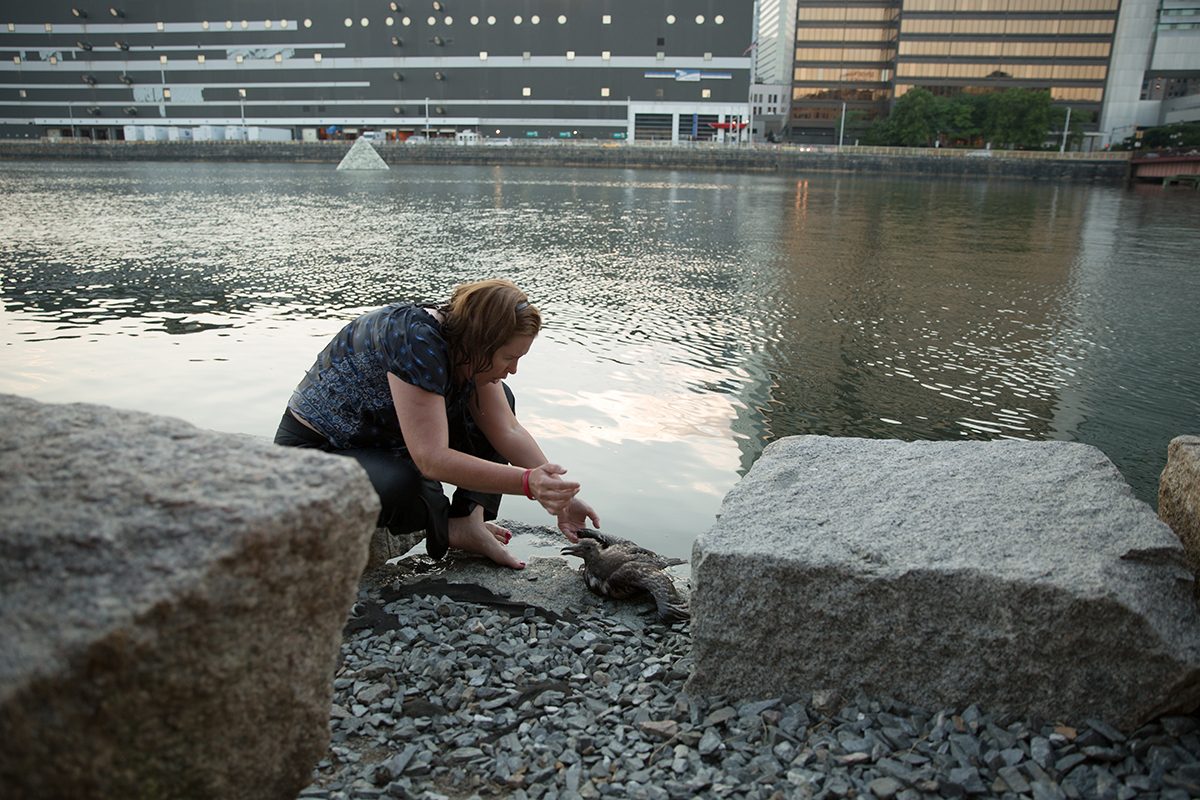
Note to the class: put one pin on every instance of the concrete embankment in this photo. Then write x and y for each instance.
(783, 159)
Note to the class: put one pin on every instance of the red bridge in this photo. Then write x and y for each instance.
(1168, 167)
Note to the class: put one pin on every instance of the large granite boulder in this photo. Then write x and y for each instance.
(1179, 493)
(171, 604)
(1024, 576)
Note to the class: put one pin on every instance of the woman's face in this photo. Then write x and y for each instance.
(504, 361)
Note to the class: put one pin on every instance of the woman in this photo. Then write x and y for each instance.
(414, 393)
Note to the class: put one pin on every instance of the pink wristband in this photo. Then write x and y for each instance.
(525, 484)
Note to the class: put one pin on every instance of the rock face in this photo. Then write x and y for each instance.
(362, 155)
(1023, 576)
(171, 604)
(1179, 493)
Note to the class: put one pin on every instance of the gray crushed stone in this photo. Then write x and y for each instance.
(520, 697)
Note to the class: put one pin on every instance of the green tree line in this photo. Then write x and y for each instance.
(1012, 119)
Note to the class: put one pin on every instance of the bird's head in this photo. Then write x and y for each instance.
(584, 548)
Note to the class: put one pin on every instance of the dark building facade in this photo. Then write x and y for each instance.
(662, 69)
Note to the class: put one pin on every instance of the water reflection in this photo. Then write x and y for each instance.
(692, 318)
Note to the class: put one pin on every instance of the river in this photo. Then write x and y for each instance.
(691, 318)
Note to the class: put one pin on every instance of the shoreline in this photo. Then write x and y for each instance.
(1104, 168)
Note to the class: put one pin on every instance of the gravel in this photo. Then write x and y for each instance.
(438, 697)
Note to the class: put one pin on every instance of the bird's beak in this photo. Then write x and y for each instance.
(572, 550)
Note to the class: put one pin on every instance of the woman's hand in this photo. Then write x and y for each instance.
(574, 518)
(549, 489)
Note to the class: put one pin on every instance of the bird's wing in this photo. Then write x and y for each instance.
(656, 583)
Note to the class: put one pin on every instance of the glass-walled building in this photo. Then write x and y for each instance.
(844, 62)
(854, 58)
(951, 46)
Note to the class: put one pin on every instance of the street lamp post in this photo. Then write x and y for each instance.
(1066, 127)
(842, 125)
(427, 118)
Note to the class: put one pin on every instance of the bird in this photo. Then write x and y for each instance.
(620, 569)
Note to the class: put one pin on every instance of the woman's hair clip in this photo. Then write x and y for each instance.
(521, 306)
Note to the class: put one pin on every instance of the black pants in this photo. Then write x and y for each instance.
(410, 501)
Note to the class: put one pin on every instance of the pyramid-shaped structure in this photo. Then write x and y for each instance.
(362, 156)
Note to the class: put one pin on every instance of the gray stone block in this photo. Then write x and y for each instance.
(1179, 493)
(171, 604)
(1024, 576)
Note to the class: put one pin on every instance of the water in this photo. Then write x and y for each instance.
(691, 317)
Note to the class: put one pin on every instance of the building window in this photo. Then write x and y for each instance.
(16, 59)
(200, 59)
(166, 94)
(708, 56)
(483, 55)
(279, 58)
(605, 55)
(239, 58)
(526, 55)
(241, 92)
(23, 93)
(604, 91)
(570, 55)
(317, 57)
(159, 26)
(526, 91)
(658, 93)
(660, 56)
(606, 19)
(706, 93)
(204, 25)
(53, 60)
(162, 59)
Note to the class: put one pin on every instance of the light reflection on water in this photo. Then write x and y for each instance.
(691, 317)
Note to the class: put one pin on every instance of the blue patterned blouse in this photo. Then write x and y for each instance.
(345, 394)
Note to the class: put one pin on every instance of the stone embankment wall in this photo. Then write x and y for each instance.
(1098, 168)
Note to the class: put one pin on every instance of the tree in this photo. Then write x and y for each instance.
(1016, 118)
(915, 118)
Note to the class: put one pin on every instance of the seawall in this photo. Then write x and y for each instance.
(781, 159)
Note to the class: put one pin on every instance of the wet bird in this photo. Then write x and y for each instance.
(620, 569)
